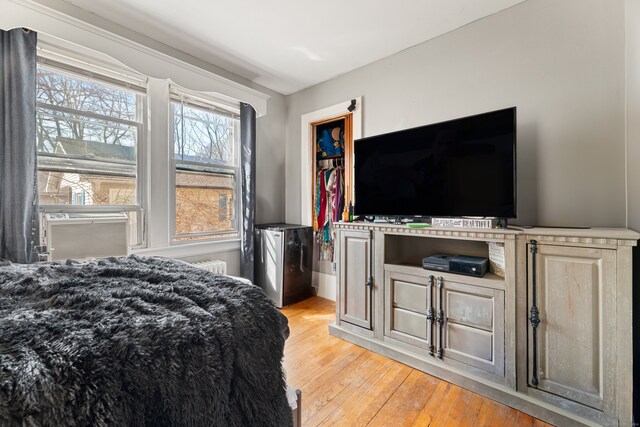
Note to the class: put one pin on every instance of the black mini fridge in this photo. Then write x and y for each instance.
(283, 262)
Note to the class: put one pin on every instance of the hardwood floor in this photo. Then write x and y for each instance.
(345, 385)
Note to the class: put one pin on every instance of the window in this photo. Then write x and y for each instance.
(88, 133)
(205, 151)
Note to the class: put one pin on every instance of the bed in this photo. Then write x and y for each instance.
(137, 341)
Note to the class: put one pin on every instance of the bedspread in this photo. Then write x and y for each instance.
(137, 341)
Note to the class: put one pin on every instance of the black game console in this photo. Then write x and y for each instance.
(438, 262)
(459, 264)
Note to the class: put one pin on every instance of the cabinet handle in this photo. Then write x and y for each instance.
(534, 313)
(430, 316)
(369, 283)
(440, 319)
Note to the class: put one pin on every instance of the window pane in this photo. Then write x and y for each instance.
(198, 207)
(85, 189)
(87, 140)
(75, 135)
(205, 153)
(65, 91)
(201, 136)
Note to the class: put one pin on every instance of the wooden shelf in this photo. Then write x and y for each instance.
(489, 280)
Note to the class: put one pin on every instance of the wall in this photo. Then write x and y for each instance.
(633, 110)
(560, 63)
(633, 182)
(270, 161)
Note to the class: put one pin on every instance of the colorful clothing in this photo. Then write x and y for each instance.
(329, 203)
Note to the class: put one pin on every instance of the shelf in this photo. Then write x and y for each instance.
(489, 280)
(411, 249)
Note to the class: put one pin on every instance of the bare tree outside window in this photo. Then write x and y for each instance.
(203, 137)
(73, 97)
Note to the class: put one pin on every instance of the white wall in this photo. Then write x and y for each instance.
(560, 62)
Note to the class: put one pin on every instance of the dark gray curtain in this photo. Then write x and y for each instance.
(248, 172)
(18, 175)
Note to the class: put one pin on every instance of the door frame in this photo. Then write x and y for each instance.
(307, 152)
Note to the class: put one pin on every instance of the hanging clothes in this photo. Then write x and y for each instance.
(337, 194)
(329, 177)
(322, 197)
(329, 203)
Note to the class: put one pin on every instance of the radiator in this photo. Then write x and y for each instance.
(214, 266)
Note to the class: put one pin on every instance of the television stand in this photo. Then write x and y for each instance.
(489, 334)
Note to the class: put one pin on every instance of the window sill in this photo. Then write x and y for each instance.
(191, 249)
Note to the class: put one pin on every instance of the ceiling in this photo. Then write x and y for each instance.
(289, 45)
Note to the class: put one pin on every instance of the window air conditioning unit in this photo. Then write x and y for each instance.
(83, 235)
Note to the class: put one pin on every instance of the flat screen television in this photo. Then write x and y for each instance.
(461, 167)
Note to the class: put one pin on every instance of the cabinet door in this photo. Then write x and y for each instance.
(451, 320)
(409, 313)
(473, 328)
(567, 356)
(354, 271)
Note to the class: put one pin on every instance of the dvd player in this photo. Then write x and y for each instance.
(459, 264)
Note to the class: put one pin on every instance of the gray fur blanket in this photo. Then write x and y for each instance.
(137, 342)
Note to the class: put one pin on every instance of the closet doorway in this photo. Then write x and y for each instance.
(331, 180)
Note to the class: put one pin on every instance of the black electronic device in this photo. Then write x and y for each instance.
(438, 262)
(469, 265)
(459, 264)
(462, 167)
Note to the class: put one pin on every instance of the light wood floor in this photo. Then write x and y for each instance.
(345, 385)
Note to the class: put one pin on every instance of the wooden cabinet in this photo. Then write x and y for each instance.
(574, 367)
(447, 316)
(355, 278)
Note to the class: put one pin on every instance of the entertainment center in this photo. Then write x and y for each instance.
(550, 335)
(574, 367)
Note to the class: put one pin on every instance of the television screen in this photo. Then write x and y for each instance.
(462, 167)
